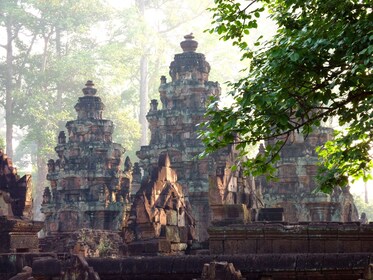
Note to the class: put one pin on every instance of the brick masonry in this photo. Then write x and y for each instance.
(305, 238)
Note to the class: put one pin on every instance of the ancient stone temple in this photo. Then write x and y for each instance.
(87, 186)
(160, 220)
(18, 233)
(173, 127)
(293, 191)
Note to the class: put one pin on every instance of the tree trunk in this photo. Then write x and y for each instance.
(366, 193)
(40, 183)
(40, 160)
(144, 98)
(59, 84)
(9, 90)
(143, 85)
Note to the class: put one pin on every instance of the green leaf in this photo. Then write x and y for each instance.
(294, 56)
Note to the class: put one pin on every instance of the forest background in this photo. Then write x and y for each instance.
(50, 48)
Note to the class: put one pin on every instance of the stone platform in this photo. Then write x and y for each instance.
(18, 235)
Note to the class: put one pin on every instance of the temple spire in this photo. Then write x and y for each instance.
(89, 106)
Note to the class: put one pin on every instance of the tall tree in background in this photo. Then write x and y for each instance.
(144, 87)
(59, 46)
(30, 29)
(15, 21)
(319, 65)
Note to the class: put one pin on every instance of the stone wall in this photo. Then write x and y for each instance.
(277, 238)
(13, 263)
(252, 266)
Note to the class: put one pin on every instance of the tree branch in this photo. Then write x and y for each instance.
(279, 149)
(18, 81)
(249, 5)
(329, 112)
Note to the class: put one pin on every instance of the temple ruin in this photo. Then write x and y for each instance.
(88, 188)
(18, 232)
(174, 128)
(99, 208)
(294, 190)
(160, 220)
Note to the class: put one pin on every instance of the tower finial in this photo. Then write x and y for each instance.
(189, 45)
(89, 89)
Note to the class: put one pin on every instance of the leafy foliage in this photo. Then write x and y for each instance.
(318, 66)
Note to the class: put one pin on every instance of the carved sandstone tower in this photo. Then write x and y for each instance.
(86, 179)
(293, 191)
(173, 129)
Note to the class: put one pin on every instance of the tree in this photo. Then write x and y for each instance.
(49, 41)
(14, 21)
(318, 66)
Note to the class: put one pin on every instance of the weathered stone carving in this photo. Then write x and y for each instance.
(88, 189)
(293, 191)
(126, 185)
(17, 232)
(16, 191)
(220, 271)
(173, 130)
(73, 267)
(160, 215)
(47, 196)
(89, 243)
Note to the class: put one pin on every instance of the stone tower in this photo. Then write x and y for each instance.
(86, 181)
(293, 191)
(173, 129)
